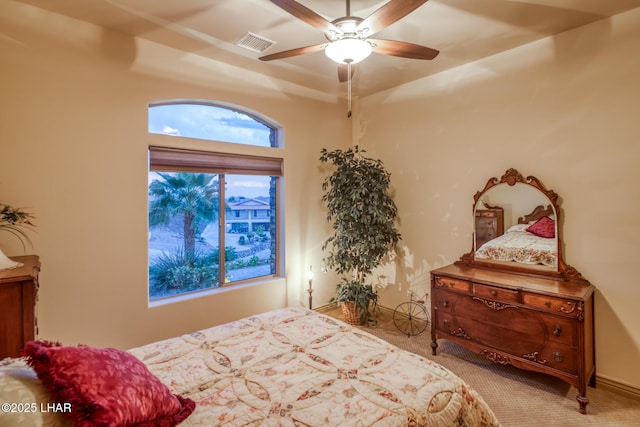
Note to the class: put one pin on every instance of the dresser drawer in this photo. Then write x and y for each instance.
(451, 283)
(485, 214)
(446, 301)
(495, 293)
(485, 235)
(560, 329)
(556, 356)
(554, 304)
(486, 224)
(444, 322)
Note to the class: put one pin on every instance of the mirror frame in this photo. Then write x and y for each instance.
(511, 177)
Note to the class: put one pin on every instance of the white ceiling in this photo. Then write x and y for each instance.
(462, 30)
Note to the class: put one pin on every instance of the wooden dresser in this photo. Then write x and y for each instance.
(18, 296)
(489, 224)
(535, 323)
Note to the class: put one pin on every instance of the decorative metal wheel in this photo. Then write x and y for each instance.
(411, 318)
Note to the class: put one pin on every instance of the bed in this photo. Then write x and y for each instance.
(532, 241)
(289, 367)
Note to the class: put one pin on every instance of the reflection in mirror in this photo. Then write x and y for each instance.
(514, 204)
(503, 214)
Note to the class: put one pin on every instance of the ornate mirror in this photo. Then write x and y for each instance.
(516, 228)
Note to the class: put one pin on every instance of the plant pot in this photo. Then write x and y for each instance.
(351, 313)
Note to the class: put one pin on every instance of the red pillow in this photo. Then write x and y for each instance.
(544, 227)
(105, 386)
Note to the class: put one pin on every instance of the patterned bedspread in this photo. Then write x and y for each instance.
(520, 246)
(295, 367)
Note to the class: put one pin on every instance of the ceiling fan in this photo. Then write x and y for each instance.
(349, 40)
(355, 32)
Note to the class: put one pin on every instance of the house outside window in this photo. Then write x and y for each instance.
(203, 229)
(249, 214)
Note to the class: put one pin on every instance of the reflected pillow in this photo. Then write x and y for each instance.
(518, 228)
(105, 386)
(544, 227)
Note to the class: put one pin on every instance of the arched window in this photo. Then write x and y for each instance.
(214, 122)
(213, 215)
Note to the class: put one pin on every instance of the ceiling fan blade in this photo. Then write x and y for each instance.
(387, 14)
(343, 73)
(293, 52)
(305, 14)
(403, 49)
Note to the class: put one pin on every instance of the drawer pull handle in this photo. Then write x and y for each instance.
(445, 303)
(557, 356)
(547, 304)
(494, 293)
(557, 330)
(446, 323)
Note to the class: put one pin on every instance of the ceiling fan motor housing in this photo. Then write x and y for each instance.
(348, 28)
(348, 46)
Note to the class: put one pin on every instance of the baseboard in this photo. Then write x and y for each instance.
(617, 386)
(387, 309)
(324, 307)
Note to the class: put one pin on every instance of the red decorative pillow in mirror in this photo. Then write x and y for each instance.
(544, 227)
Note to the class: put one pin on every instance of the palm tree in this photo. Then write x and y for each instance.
(192, 195)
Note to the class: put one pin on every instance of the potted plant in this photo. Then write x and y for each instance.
(363, 218)
(355, 298)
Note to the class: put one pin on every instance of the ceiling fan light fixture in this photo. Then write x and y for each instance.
(348, 50)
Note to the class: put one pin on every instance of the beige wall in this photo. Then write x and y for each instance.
(564, 109)
(74, 149)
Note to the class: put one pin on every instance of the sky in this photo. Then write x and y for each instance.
(208, 122)
(217, 124)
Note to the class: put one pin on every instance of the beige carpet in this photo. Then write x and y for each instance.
(517, 397)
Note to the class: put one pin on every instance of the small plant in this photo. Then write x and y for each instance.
(260, 231)
(16, 221)
(182, 271)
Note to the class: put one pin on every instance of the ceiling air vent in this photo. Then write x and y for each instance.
(255, 42)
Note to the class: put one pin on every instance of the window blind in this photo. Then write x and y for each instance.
(163, 159)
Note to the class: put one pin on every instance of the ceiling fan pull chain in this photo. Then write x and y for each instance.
(349, 89)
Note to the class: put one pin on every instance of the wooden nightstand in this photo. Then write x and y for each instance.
(18, 296)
